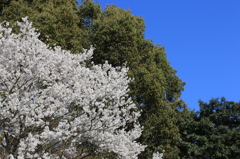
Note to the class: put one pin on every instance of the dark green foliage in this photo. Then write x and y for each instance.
(119, 37)
(4, 3)
(87, 12)
(213, 132)
(159, 115)
(55, 18)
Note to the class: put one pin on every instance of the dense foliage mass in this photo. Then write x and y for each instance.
(213, 132)
(56, 20)
(119, 37)
(52, 106)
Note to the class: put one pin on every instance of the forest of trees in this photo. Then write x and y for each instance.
(117, 35)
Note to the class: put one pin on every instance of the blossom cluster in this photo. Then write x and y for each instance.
(53, 106)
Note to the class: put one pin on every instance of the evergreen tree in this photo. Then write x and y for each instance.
(213, 132)
(119, 37)
(56, 20)
(4, 3)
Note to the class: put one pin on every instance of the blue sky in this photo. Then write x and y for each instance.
(202, 41)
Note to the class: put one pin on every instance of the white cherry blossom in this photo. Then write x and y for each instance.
(53, 106)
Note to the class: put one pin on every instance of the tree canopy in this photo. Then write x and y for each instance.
(119, 37)
(213, 132)
(56, 20)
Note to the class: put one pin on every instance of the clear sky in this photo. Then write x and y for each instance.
(202, 41)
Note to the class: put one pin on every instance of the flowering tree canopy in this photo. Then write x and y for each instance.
(53, 106)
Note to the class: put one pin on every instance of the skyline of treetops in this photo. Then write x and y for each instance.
(117, 36)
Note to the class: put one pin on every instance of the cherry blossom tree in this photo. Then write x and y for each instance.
(53, 106)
